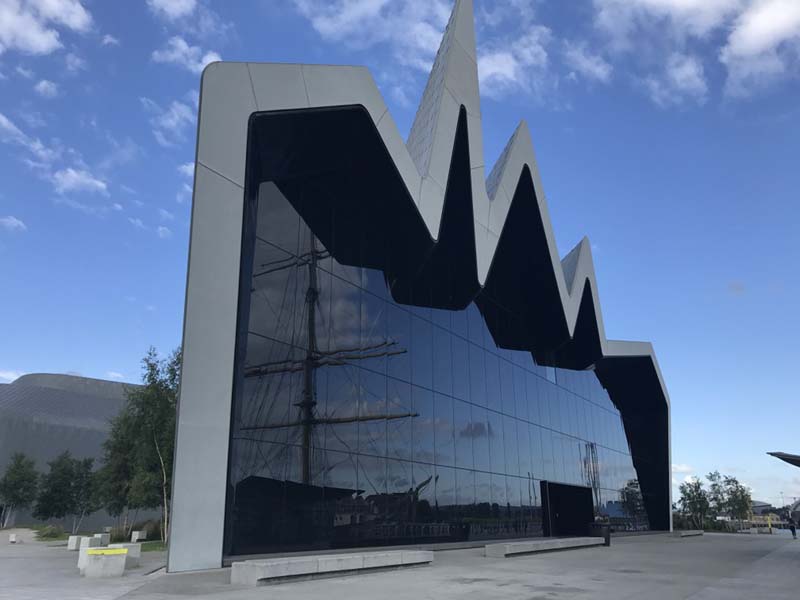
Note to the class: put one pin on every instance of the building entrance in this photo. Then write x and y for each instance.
(567, 510)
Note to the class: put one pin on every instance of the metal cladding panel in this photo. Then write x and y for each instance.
(562, 320)
(204, 404)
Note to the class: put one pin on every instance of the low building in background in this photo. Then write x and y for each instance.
(45, 414)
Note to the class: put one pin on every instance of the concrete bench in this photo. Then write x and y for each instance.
(689, 533)
(74, 542)
(104, 562)
(503, 550)
(134, 555)
(275, 570)
(105, 538)
(138, 536)
(87, 543)
(12, 538)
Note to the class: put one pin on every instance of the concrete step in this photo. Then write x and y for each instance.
(275, 570)
(503, 550)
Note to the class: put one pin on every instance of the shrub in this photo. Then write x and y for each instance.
(119, 535)
(50, 532)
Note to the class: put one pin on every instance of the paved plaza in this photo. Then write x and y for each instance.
(715, 566)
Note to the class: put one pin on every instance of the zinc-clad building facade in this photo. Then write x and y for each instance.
(381, 343)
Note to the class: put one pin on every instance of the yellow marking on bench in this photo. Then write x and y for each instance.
(106, 551)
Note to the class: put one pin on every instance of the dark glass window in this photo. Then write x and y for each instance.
(358, 420)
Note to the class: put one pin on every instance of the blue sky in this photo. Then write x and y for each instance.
(668, 131)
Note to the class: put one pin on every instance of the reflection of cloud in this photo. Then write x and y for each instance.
(474, 429)
(681, 468)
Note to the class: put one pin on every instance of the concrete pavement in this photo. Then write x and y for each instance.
(711, 567)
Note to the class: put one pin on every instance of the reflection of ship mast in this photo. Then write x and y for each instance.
(591, 468)
(316, 358)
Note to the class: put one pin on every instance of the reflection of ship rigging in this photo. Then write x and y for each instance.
(591, 467)
(316, 358)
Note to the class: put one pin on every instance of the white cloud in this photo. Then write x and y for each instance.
(183, 193)
(412, 29)
(136, 222)
(109, 40)
(115, 375)
(78, 180)
(11, 134)
(172, 9)
(518, 65)
(624, 20)
(117, 206)
(121, 153)
(681, 468)
(12, 223)
(179, 52)
(170, 124)
(682, 81)
(46, 89)
(30, 26)
(164, 232)
(26, 73)
(582, 62)
(7, 376)
(74, 63)
(165, 214)
(763, 45)
(186, 169)
(32, 118)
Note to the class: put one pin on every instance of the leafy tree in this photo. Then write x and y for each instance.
(118, 468)
(632, 500)
(717, 504)
(737, 498)
(68, 489)
(139, 451)
(694, 502)
(18, 486)
(85, 496)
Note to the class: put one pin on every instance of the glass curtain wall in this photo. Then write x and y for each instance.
(359, 421)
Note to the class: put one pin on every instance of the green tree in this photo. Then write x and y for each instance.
(717, 502)
(694, 502)
(85, 491)
(139, 451)
(118, 468)
(18, 486)
(68, 489)
(632, 500)
(737, 498)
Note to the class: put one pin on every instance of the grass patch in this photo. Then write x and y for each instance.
(50, 533)
(154, 546)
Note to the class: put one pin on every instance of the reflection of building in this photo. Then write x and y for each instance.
(375, 352)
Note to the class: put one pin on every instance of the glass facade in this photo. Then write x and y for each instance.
(359, 421)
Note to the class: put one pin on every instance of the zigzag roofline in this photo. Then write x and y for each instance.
(560, 312)
(452, 86)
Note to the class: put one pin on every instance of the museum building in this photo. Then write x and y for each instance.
(381, 345)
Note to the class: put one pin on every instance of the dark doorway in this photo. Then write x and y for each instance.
(567, 510)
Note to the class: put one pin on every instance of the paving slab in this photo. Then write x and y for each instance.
(655, 567)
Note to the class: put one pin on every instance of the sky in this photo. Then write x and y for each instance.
(668, 131)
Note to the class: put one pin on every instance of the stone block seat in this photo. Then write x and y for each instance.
(505, 549)
(134, 555)
(276, 570)
(689, 533)
(104, 562)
